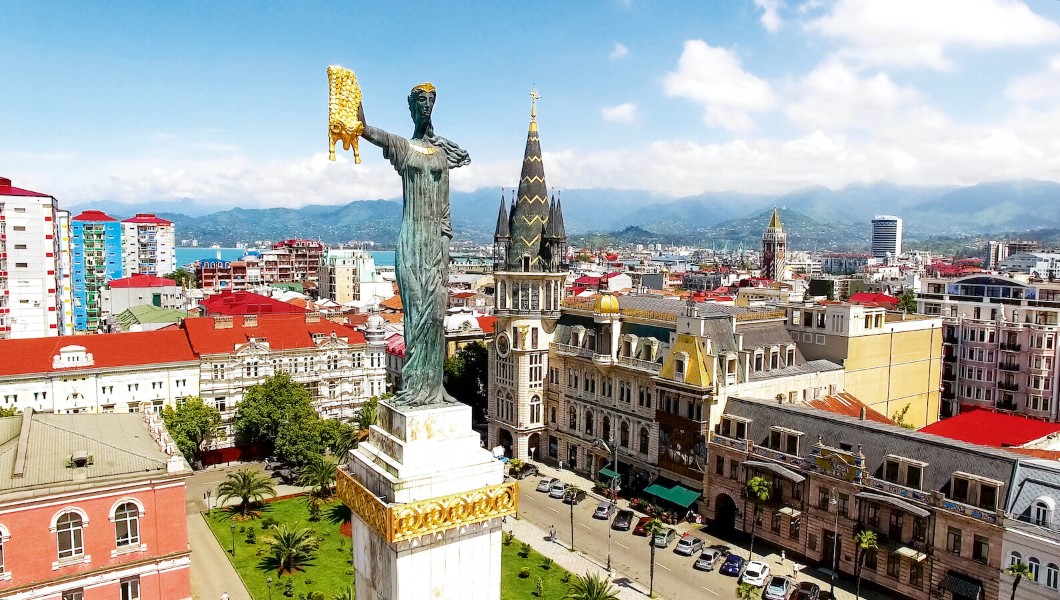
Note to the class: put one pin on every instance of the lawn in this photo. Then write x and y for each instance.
(330, 572)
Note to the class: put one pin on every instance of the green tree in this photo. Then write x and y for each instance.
(9, 412)
(346, 594)
(899, 417)
(650, 529)
(759, 489)
(746, 591)
(466, 378)
(267, 406)
(291, 549)
(191, 424)
(907, 301)
(249, 486)
(299, 442)
(183, 277)
(319, 476)
(1019, 570)
(864, 541)
(591, 587)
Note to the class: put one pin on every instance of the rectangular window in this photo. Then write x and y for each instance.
(811, 542)
(980, 548)
(916, 575)
(793, 528)
(890, 471)
(894, 565)
(987, 496)
(953, 540)
(775, 526)
(719, 465)
(844, 503)
(823, 498)
(959, 489)
(871, 559)
(734, 470)
(78, 594)
(130, 588)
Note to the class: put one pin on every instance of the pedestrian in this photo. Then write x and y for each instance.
(224, 596)
(552, 533)
(782, 557)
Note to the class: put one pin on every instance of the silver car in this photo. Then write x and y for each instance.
(604, 510)
(557, 490)
(779, 588)
(545, 485)
(688, 545)
(708, 559)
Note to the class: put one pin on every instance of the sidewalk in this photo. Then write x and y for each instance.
(211, 572)
(844, 587)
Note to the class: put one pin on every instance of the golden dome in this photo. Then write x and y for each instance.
(606, 304)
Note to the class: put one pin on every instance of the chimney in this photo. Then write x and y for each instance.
(337, 318)
(222, 322)
(250, 320)
(863, 413)
(312, 317)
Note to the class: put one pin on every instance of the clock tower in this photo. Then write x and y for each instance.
(530, 248)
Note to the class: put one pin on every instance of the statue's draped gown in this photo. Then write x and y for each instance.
(422, 263)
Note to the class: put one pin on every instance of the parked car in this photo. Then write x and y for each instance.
(808, 590)
(708, 559)
(732, 566)
(545, 485)
(688, 545)
(641, 524)
(286, 475)
(623, 520)
(574, 496)
(604, 510)
(557, 490)
(755, 573)
(778, 588)
(525, 470)
(664, 537)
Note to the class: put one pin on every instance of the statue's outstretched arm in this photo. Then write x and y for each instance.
(394, 146)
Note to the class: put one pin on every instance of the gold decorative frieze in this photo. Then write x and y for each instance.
(398, 522)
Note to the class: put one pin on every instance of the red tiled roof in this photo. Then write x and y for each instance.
(140, 280)
(989, 428)
(463, 295)
(34, 355)
(869, 298)
(487, 324)
(392, 303)
(93, 215)
(395, 345)
(147, 218)
(845, 403)
(6, 189)
(246, 303)
(588, 280)
(281, 331)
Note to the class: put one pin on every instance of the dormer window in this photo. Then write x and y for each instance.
(974, 490)
(791, 356)
(774, 359)
(903, 471)
(734, 427)
(785, 440)
(1042, 511)
(680, 365)
(759, 360)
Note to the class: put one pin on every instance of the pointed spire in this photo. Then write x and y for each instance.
(502, 232)
(559, 231)
(530, 208)
(774, 221)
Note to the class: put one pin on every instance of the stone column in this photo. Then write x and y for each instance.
(427, 503)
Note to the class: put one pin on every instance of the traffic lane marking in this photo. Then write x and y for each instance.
(553, 510)
(623, 545)
(664, 566)
(710, 590)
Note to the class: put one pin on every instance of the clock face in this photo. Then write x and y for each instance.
(504, 344)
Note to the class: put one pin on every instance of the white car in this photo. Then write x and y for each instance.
(755, 573)
(558, 489)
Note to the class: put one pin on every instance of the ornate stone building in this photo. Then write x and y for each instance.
(774, 249)
(529, 252)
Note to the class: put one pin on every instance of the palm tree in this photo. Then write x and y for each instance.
(514, 465)
(1019, 570)
(367, 416)
(319, 476)
(345, 594)
(746, 591)
(759, 489)
(291, 549)
(591, 587)
(651, 528)
(249, 486)
(865, 540)
(572, 495)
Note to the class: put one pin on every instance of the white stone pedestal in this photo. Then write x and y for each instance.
(427, 503)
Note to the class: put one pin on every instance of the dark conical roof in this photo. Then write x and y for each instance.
(530, 209)
(502, 223)
(559, 231)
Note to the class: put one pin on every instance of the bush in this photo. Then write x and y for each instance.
(524, 572)
(539, 588)
(507, 538)
(288, 588)
(252, 537)
(547, 563)
(269, 523)
(524, 550)
(565, 578)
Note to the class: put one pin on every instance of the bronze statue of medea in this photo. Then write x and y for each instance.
(422, 261)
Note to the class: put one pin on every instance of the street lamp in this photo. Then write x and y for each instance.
(209, 507)
(611, 448)
(233, 527)
(268, 582)
(835, 541)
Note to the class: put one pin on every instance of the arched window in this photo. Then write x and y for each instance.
(535, 409)
(500, 402)
(643, 440)
(127, 524)
(501, 294)
(69, 532)
(1052, 574)
(1035, 566)
(623, 434)
(1042, 511)
(606, 432)
(573, 418)
(1014, 558)
(588, 422)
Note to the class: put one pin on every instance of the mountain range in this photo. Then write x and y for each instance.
(813, 216)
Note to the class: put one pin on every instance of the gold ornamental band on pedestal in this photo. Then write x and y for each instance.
(398, 522)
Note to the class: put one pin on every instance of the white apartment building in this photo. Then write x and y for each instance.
(886, 236)
(120, 372)
(1045, 265)
(1000, 342)
(349, 276)
(35, 295)
(147, 244)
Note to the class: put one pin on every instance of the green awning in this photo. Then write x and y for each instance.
(678, 494)
(608, 473)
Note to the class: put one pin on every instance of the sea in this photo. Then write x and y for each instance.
(187, 256)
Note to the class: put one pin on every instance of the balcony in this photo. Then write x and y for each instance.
(1007, 405)
(1009, 366)
(573, 350)
(949, 395)
(950, 339)
(949, 376)
(1010, 386)
(1010, 347)
(636, 363)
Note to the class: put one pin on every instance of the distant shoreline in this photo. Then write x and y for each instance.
(187, 256)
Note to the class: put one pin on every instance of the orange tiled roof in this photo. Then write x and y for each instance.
(34, 355)
(845, 403)
(280, 331)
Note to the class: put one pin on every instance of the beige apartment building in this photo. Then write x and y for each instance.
(892, 360)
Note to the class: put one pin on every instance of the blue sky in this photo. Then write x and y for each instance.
(226, 102)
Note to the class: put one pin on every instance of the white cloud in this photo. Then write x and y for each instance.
(619, 51)
(714, 78)
(623, 113)
(917, 33)
(1044, 86)
(770, 18)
